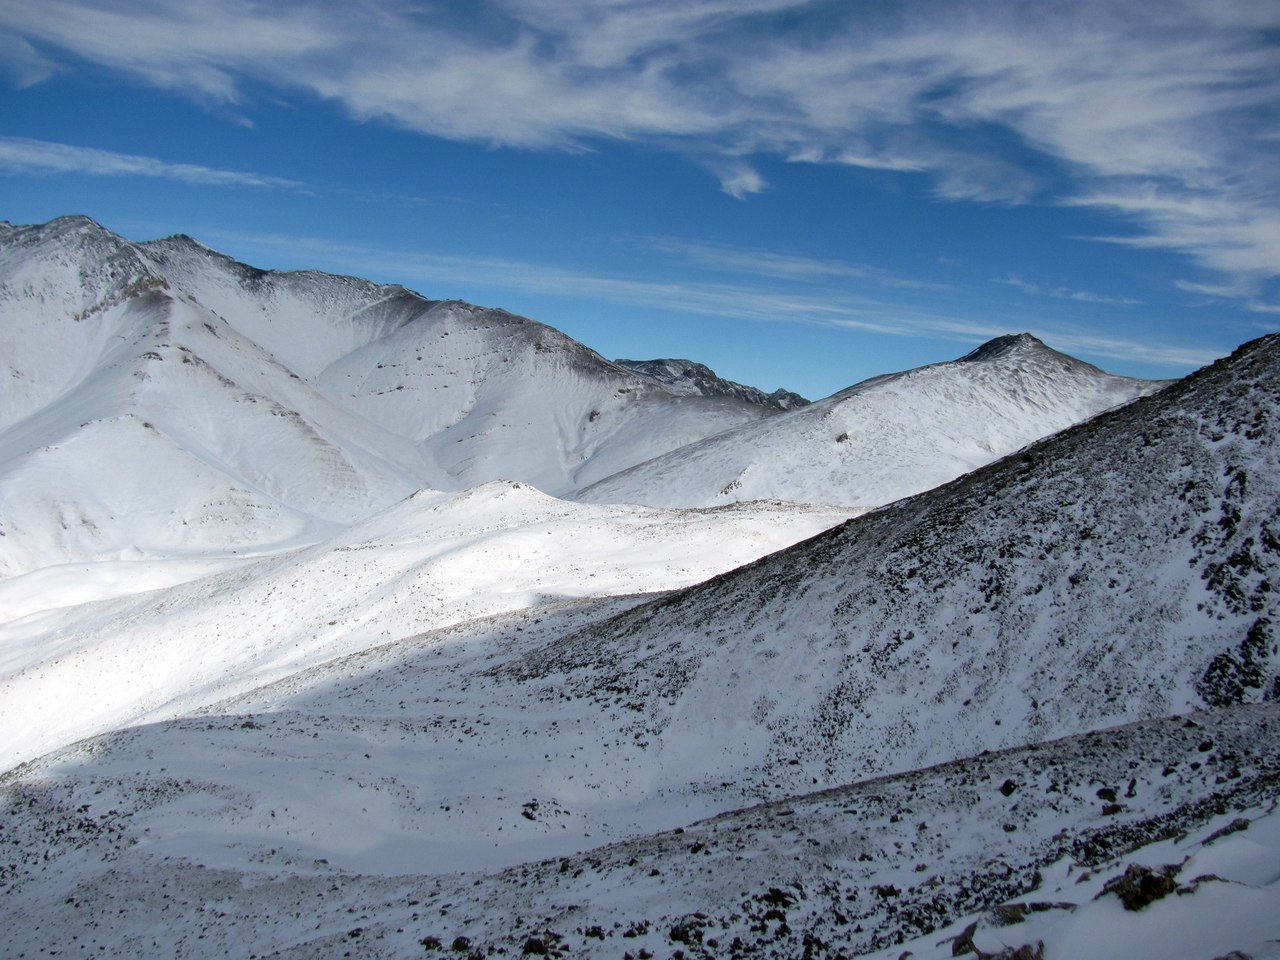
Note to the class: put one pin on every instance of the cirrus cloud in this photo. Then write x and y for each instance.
(18, 153)
(1161, 115)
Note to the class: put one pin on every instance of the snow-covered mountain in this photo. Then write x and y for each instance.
(1123, 569)
(261, 694)
(540, 781)
(887, 437)
(688, 378)
(160, 398)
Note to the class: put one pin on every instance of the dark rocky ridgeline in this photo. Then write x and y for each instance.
(697, 379)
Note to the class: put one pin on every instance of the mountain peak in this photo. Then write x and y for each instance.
(1007, 345)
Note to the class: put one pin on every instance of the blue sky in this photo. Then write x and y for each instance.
(798, 194)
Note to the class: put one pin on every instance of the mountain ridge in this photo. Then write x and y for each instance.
(987, 562)
(302, 399)
(490, 720)
(887, 437)
(967, 718)
(690, 378)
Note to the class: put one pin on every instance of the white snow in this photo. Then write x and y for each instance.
(329, 625)
(885, 439)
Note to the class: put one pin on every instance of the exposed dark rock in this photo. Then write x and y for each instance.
(1139, 886)
(1235, 826)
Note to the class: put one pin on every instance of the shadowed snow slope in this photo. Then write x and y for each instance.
(886, 438)
(162, 399)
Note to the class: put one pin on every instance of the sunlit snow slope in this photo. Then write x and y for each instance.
(161, 399)
(70, 669)
(886, 438)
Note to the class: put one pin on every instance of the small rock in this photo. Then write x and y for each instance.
(1007, 914)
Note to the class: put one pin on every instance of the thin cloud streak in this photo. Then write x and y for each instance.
(1123, 98)
(1063, 293)
(773, 264)
(723, 301)
(20, 154)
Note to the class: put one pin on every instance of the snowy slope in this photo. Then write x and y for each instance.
(431, 560)
(1119, 570)
(1123, 569)
(162, 399)
(482, 393)
(330, 715)
(236, 835)
(885, 438)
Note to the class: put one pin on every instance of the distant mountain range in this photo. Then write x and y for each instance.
(205, 403)
(161, 399)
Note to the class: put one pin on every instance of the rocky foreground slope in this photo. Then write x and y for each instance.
(1124, 569)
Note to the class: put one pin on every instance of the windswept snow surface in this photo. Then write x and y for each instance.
(886, 438)
(236, 835)
(432, 560)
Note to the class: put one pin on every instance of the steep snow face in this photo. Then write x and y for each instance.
(146, 425)
(61, 285)
(486, 394)
(482, 394)
(1122, 569)
(686, 378)
(161, 399)
(885, 438)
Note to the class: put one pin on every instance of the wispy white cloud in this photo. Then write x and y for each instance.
(1161, 115)
(19, 59)
(438, 275)
(1216, 290)
(1063, 293)
(772, 263)
(1127, 349)
(738, 179)
(17, 153)
(1235, 235)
